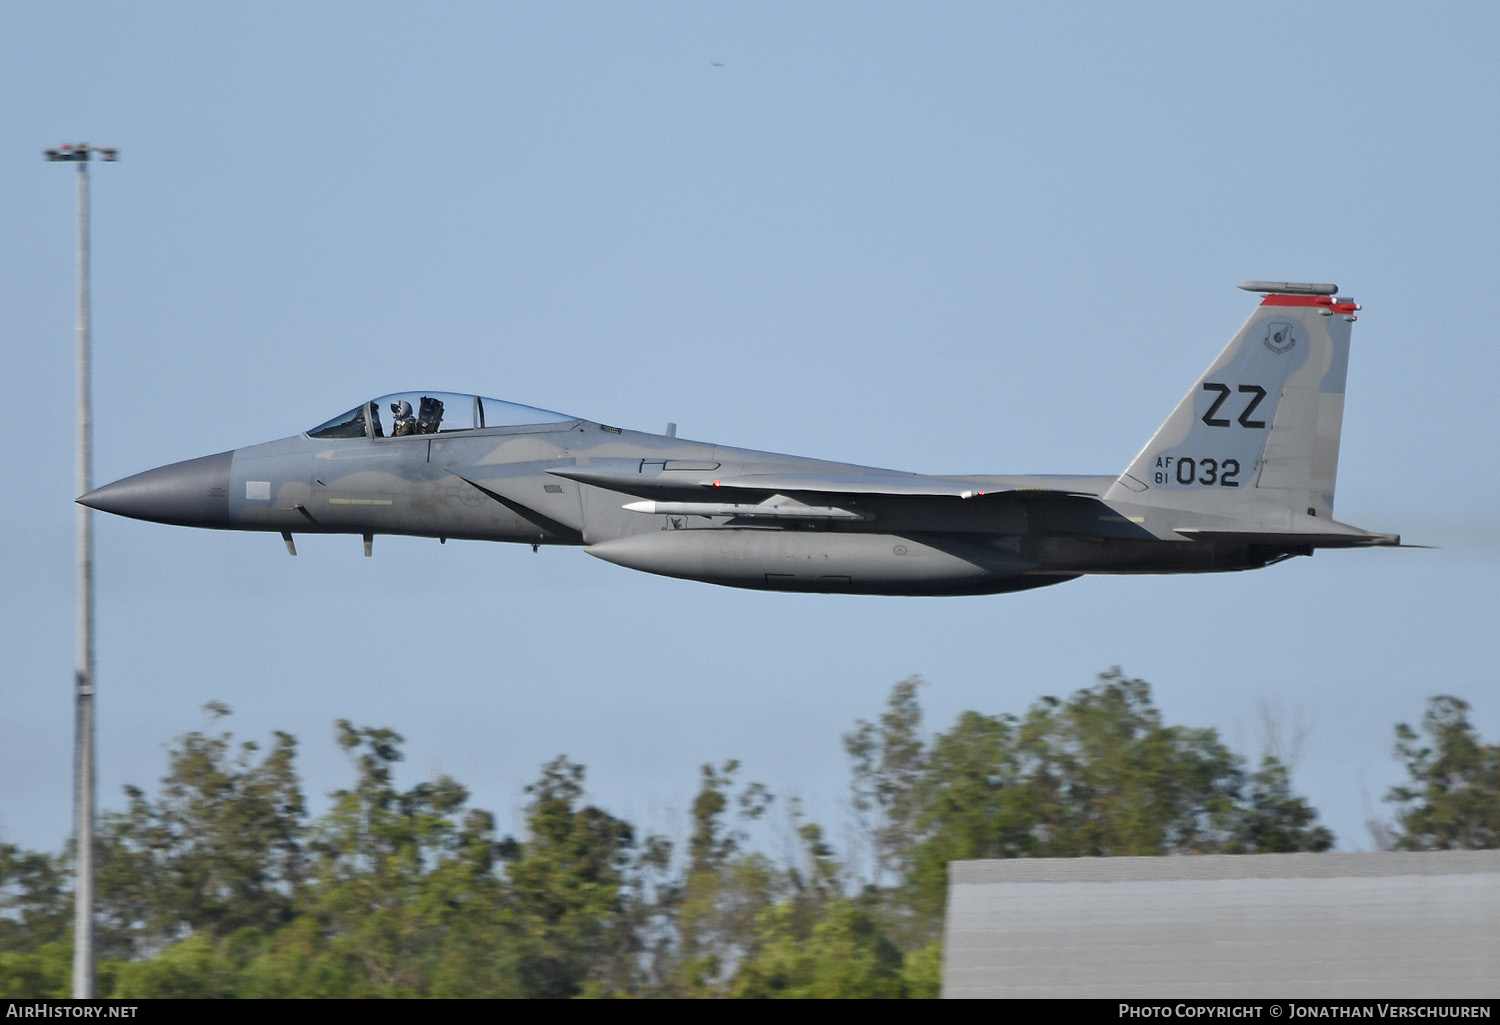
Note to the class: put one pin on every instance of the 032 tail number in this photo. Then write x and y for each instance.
(1187, 470)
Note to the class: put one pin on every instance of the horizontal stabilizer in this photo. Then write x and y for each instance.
(1355, 539)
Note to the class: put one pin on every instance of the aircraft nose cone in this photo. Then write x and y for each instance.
(192, 493)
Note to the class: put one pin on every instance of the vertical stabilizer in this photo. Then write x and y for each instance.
(1257, 437)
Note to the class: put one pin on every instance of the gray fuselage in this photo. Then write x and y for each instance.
(506, 484)
(1240, 475)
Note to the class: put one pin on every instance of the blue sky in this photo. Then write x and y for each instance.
(948, 238)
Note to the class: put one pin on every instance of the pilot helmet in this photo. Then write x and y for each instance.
(402, 408)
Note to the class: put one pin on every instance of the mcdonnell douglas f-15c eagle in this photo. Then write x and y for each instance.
(1241, 475)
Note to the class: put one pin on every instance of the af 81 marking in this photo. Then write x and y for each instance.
(1190, 470)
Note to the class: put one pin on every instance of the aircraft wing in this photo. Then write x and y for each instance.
(864, 482)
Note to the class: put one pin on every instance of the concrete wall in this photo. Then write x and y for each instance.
(1265, 925)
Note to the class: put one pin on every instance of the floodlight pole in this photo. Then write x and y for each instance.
(83, 675)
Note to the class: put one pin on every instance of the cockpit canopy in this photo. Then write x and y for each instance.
(432, 412)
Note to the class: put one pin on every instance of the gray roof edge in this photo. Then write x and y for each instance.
(1223, 866)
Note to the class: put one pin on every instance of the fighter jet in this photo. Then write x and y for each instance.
(1241, 475)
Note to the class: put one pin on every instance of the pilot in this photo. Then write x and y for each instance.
(404, 423)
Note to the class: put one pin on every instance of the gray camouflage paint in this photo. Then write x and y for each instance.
(1241, 475)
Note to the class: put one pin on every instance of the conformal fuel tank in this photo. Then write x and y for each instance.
(825, 561)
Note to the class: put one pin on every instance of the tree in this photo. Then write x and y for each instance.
(844, 954)
(191, 970)
(567, 883)
(1096, 775)
(807, 939)
(36, 907)
(889, 759)
(708, 917)
(217, 851)
(36, 911)
(405, 888)
(42, 973)
(1129, 784)
(1273, 820)
(1453, 797)
(218, 886)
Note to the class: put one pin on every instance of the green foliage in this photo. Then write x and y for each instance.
(705, 921)
(843, 954)
(922, 972)
(1123, 784)
(192, 969)
(218, 850)
(889, 764)
(399, 878)
(1274, 821)
(34, 907)
(566, 885)
(302, 960)
(219, 886)
(1453, 797)
(1096, 775)
(43, 972)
